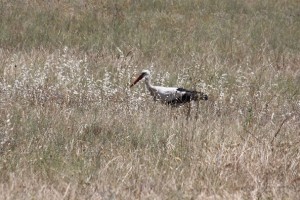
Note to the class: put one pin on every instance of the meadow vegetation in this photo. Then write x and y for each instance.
(70, 127)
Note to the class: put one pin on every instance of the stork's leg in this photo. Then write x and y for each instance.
(188, 114)
(197, 110)
(174, 113)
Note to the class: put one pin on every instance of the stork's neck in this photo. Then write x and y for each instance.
(148, 82)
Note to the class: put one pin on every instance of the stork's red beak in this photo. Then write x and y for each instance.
(137, 80)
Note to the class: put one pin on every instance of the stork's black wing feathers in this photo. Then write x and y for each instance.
(182, 90)
(188, 96)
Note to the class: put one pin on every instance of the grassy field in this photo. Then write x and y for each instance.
(70, 127)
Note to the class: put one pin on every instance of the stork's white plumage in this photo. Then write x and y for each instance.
(170, 95)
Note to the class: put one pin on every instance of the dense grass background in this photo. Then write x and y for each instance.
(72, 129)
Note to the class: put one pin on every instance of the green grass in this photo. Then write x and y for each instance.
(70, 127)
(181, 27)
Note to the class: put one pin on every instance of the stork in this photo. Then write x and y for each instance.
(173, 96)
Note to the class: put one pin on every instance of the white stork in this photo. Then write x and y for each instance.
(170, 95)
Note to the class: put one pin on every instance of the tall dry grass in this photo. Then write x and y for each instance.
(72, 129)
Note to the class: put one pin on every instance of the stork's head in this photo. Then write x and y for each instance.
(145, 74)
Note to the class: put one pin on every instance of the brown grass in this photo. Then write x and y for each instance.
(72, 129)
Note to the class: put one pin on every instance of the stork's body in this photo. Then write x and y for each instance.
(170, 95)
